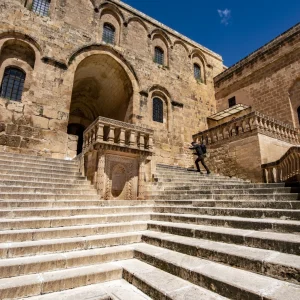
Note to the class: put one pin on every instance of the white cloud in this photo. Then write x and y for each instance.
(225, 15)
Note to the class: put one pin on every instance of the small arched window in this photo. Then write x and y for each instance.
(197, 72)
(108, 35)
(298, 112)
(41, 7)
(12, 84)
(158, 110)
(159, 56)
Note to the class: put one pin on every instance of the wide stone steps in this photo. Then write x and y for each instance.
(223, 279)
(11, 179)
(282, 242)
(83, 184)
(73, 211)
(231, 221)
(53, 222)
(231, 203)
(227, 196)
(55, 281)
(266, 262)
(47, 190)
(115, 289)
(55, 197)
(159, 284)
(291, 214)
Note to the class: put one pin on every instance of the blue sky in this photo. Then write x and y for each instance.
(231, 28)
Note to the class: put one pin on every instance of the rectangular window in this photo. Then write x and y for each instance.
(41, 7)
(232, 102)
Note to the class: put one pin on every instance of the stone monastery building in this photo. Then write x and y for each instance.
(94, 89)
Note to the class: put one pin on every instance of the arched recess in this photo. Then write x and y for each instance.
(159, 41)
(294, 95)
(179, 60)
(20, 54)
(157, 91)
(103, 85)
(199, 59)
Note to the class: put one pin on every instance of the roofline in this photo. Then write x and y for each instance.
(166, 28)
(260, 51)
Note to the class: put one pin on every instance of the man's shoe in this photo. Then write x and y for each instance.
(200, 172)
(208, 172)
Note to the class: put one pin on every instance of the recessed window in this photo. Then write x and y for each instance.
(12, 84)
(159, 56)
(197, 72)
(41, 7)
(158, 110)
(108, 34)
(231, 102)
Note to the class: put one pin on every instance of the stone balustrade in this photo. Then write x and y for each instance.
(106, 131)
(287, 167)
(254, 121)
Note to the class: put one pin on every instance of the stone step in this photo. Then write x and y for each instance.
(39, 166)
(204, 178)
(228, 211)
(230, 203)
(22, 170)
(282, 242)
(230, 221)
(72, 211)
(24, 157)
(85, 190)
(159, 284)
(266, 262)
(48, 185)
(115, 289)
(196, 195)
(14, 267)
(56, 197)
(14, 174)
(54, 222)
(225, 280)
(81, 180)
(194, 174)
(222, 187)
(64, 245)
(55, 281)
(73, 203)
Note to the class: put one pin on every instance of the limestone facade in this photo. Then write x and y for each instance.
(73, 76)
(268, 80)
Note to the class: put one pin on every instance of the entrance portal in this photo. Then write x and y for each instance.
(101, 88)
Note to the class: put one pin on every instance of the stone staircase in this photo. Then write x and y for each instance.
(198, 237)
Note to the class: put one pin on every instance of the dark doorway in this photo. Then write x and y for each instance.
(77, 129)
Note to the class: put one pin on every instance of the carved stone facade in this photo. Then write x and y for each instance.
(74, 74)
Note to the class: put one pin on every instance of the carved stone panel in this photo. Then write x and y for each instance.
(121, 175)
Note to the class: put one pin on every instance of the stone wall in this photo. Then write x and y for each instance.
(267, 79)
(59, 45)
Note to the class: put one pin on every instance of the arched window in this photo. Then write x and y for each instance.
(197, 71)
(108, 35)
(158, 110)
(41, 7)
(159, 56)
(12, 84)
(298, 112)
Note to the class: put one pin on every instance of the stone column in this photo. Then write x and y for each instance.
(100, 181)
(141, 195)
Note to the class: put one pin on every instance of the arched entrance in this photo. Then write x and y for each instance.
(101, 88)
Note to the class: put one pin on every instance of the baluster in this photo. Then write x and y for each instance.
(100, 133)
(122, 137)
(132, 139)
(150, 142)
(141, 143)
(111, 134)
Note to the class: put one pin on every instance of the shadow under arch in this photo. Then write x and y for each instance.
(103, 85)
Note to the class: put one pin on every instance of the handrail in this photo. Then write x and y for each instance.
(284, 168)
(113, 132)
(254, 121)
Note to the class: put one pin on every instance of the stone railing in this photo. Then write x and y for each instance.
(282, 170)
(106, 131)
(252, 122)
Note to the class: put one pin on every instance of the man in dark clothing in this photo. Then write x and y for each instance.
(201, 155)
